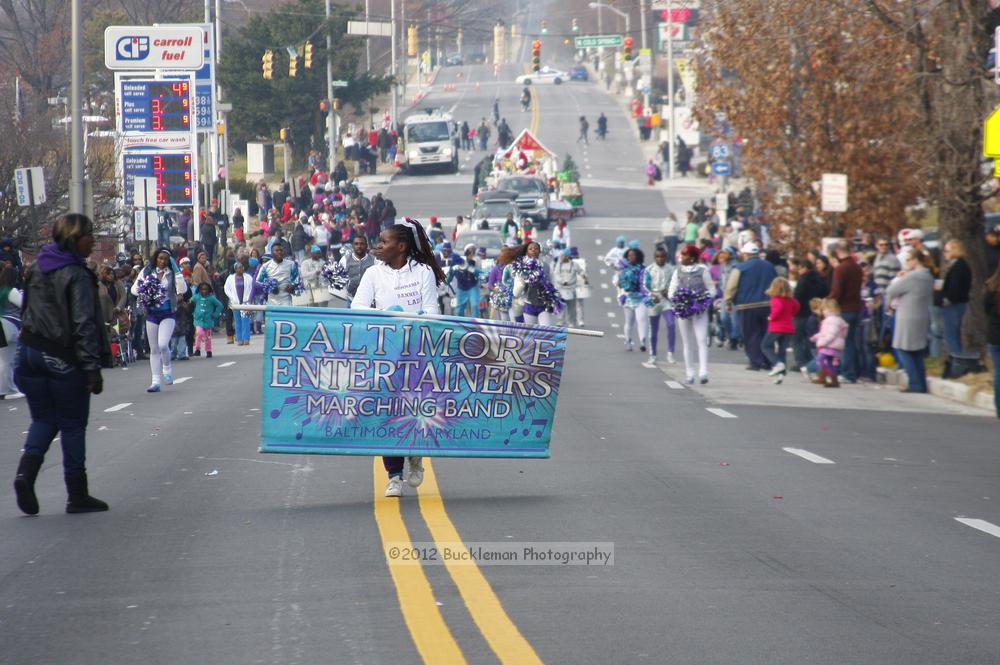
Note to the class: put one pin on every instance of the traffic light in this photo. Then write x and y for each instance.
(627, 53)
(336, 103)
(308, 55)
(536, 56)
(545, 27)
(411, 41)
(268, 63)
(283, 134)
(324, 105)
(293, 65)
(576, 26)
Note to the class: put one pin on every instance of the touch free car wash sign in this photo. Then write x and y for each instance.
(153, 47)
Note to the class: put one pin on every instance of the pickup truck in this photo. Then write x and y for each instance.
(532, 197)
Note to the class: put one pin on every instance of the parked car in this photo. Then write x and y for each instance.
(545, 75)
(532, 197)
(454, 60)
(578, 73)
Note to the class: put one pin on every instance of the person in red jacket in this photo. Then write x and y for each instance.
(780, 326)
(845, 288)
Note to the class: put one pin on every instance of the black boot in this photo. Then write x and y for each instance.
(80, 500)
(24, 483)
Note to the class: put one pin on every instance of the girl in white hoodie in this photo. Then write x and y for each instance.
(406, 278)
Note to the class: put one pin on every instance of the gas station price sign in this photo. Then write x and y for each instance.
(155, 106)
(173, 173)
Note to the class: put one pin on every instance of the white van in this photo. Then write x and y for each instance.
(427, 143)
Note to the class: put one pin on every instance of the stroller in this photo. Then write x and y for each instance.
(121, 344)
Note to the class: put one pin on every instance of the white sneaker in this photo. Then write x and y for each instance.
(395, 487)
(777, 369)
(651, 363)
(805, 373)
(15, 395)
(670, 358)
(415, 476)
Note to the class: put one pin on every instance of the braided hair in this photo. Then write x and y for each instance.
(418, 245)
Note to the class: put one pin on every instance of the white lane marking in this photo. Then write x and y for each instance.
(181, 379)
(615, 325)
(604, 271)
(231, 362)
(806, 455)
(598, 241)
(101, 428)
(612, 315)
(255, 409)
(604, 285)
(673, 385)
(620, 336)
(722, 413)
(607, 299)
(982, 525)
(117, 407)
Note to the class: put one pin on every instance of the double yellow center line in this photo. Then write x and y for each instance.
(431, 635)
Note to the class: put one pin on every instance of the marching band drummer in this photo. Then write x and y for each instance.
(407, 280)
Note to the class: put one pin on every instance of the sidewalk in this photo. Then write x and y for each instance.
(731, 384)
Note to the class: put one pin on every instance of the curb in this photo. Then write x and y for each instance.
(952, 390)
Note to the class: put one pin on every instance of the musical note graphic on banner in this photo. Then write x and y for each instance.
(275, 413)
(509, 434)
(540, 423)
(298, 435)
(527, 408)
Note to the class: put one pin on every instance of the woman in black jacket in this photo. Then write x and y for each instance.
(63, 347)
(953, 297)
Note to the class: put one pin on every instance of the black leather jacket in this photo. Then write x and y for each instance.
(61, 316)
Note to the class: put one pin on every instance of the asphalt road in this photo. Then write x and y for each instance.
(727, 548)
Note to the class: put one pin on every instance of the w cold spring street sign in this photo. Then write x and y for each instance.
(599, 40)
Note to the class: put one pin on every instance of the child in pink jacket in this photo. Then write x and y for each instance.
(829, 343)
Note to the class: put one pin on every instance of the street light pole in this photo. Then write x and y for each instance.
(672, 133)
(76, 109)
(331, 130)
(392, 48)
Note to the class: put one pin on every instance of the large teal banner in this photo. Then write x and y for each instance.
(365, 382)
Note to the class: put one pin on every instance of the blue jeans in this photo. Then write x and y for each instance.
(936, 332)
(242, 325)
(913, 363)
(772, 339)
(754, 324)
(952, 316)
(59, 403)
(178, 348)
(995, 354)
(670, 244)
(851, 364)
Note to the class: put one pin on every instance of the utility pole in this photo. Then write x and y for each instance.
(331, 129)
(368, 40)
(76, 109)
(392, 48)
(642, 24)
(672, 166)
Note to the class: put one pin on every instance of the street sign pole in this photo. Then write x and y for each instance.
(331, 127)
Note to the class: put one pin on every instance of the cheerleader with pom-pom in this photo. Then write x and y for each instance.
(157, 289)
(690, 293)
(533, 285)
(634, 297)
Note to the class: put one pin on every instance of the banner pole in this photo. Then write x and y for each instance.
(432, 317)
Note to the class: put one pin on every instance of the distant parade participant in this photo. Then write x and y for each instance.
(634, 298)
(157, 289)
(466, 278)
(279, 277)
(356, 263)
(615, 255)
(691, 292)
(63, 346)
(533, 286)
(658, 277)
(568, 275)
(406, 279)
